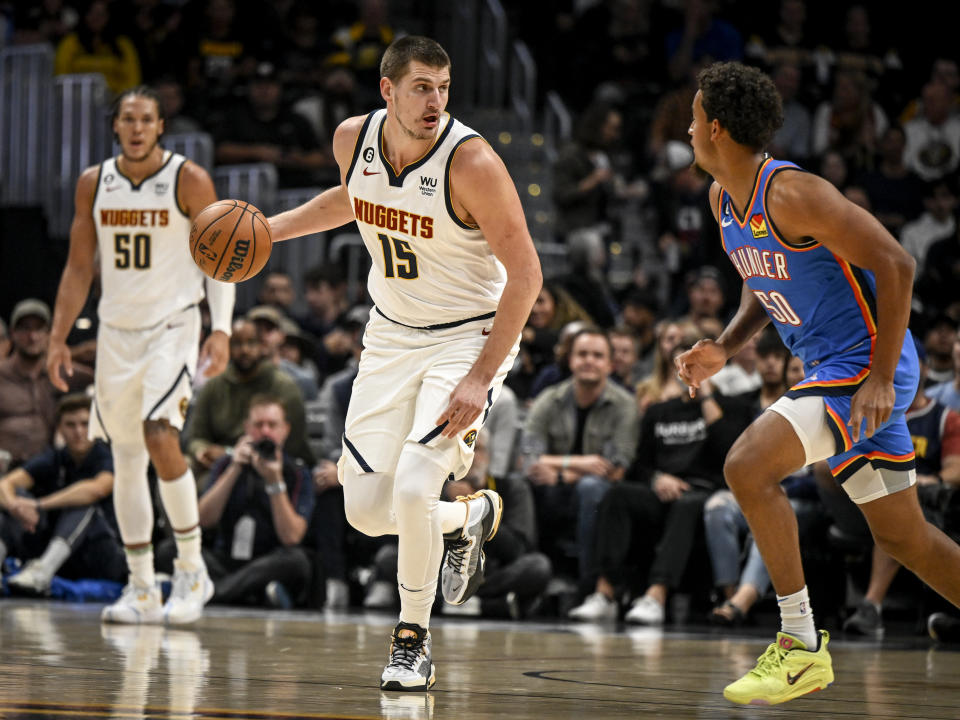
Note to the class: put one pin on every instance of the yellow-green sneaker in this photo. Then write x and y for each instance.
(785, 671)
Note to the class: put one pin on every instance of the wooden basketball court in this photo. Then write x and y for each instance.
(57, 661)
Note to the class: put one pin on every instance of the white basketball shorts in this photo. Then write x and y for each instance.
(144, 374)
(404, 383)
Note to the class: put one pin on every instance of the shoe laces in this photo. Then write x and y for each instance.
(770, 662)
(405, 650)
(457, 553)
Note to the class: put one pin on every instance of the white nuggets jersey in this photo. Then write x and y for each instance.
(146, 271)
(429, 266)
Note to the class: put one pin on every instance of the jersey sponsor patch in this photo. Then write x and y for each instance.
(758, 226)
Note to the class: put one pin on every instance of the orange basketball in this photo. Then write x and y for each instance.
(230, 240)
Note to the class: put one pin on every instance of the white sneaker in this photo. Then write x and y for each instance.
(32, 580)
(338, 594)
(462, 573)
(645, 611)
(137, 605)
(382, 594)
(190, 591)
(410, 667)
(596, 606)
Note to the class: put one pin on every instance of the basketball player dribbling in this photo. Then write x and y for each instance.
(136, 209)
(837, 287)
(454, 276)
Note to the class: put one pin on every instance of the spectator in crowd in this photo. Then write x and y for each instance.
(790, 41)
(590, 173)
(863, 51)
(706, 297)
(56, 510)
(277, 290)
(948, 392)
(703, 38)
(559, 369)
(325, 290)
(503, 425)
(175, 120)
(624, 359)
(652, 519)
(260, 499)
(515, 573)
(851, 122)
(221, 407)
(579, 437)
(639, 309)
(936, 223)
(895, 191)
(660, 385)
(935, 431)
(938, 281)
(218, 48)
(943, 70)
(834, 169)
(27, 397)
(938, 340)
(272, 328)
(48, 21)
(723, 520)
(306, 48)
(933, 138)
(264, 130)
(360, 45)
(97, 46)
(792, 140)
(671, 119)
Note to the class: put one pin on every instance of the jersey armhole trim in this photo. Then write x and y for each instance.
(802, 247)
(358, 145)
(448, 190)
(176, 190)
(96, 191)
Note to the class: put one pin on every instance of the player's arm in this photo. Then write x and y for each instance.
(76, 278)
(484, 193)
(195, 191)
(80, 493)
(806, 205)
(708, 356)
(331, 208)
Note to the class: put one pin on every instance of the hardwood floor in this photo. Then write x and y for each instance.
(57, 661)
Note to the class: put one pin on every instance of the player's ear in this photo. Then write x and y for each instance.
(386, 88)
(160, 128)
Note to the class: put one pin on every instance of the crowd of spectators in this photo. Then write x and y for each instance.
(616, 501)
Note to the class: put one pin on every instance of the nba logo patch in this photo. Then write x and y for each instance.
(758, 226)
(470, 438)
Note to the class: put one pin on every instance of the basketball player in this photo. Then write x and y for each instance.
(136, 210)
(454, 276)
(837, 287)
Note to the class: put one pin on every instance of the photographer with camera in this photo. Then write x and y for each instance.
(260, 500)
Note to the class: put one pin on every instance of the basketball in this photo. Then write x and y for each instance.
(230, 240)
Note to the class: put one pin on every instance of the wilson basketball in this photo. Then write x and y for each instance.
(230, 240)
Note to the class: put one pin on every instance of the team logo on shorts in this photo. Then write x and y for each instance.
(184, 403)
(470, 438)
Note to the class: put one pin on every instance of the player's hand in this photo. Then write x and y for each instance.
(669, 487)
(699, 363)
(873, 402)
(58, 356)
(214, 354)
(466, 402)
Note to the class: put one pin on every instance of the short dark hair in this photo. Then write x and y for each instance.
(591, 330)
(769, 343)
(330, 273)
(411, 48)
(263, 399)
(744, 100)
(138, 91)
(71, 403)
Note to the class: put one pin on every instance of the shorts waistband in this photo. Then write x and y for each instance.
(439, 326)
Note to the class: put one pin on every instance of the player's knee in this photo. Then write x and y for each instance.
(366, 504)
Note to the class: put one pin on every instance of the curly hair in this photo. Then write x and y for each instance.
(744, 100)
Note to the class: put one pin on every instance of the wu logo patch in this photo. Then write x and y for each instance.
(162, 187)
(758, 226)
(428, 186)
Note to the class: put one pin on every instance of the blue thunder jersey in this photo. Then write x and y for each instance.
(825, 311)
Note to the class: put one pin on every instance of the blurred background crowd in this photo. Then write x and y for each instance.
(611, 474)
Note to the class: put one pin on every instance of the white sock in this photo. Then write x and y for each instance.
(140, 565)
(453, 516)
(179, 498)
(416, 604)
(54, 556)
(796, 617)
